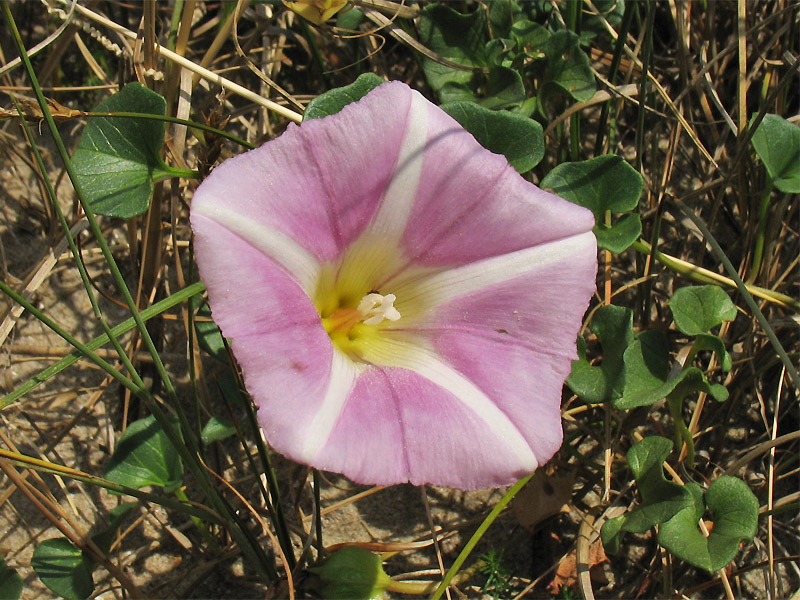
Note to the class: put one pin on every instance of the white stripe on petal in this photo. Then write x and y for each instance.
(344, 373)
(393, 351)
(447, 285)
(393, 214)
(376, 252)
(295, 260)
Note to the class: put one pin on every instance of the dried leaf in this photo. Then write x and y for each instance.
(544, 496)
(567, 570)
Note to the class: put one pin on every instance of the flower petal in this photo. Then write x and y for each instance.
(398, 425)
(285, 354)
(319, 184)
(471, 204)
(420, 290)
(512, 329)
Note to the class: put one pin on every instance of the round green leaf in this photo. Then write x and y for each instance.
(145, 456)
(117, 158)
(63, 568)
(10, 582)
(619, 236)
(604, 183)
(456, 37)
(332, 101)
(661, 499)
(613, 326)
(568, 66)
(697, 309)
(647, 377)
(518, 138)
(777, 143)
(734, 510)
(706, 341)
(504, 89)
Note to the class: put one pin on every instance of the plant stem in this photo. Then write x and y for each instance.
(702, 275)
(476, 537)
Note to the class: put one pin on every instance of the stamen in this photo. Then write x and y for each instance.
(375, 308)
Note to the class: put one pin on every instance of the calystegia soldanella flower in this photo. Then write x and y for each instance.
(403, 304)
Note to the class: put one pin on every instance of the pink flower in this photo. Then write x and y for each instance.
(403, 304)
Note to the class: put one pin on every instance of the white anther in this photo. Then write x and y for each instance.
(376, 307)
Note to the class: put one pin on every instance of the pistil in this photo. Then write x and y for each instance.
(372, 310)
(375, 308)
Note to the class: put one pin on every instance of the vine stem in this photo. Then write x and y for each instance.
(746, 292)
(473, 541)
(702, 275)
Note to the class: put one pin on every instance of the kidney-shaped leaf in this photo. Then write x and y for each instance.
(145, 456)
(456, 37)
(568, 66)
(697, 309)
(647, 373)
(777, 143)
(117, 158)
(604, 183)
(63, 568)
(613, 326)
(734, 509)
(518, 138)
(661, 499)
(332, 101)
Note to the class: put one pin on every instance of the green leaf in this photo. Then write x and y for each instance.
(518, 138)
(777, 143)
(698, 309)
(528, 34)
(332, 101)
(504, 89)
(734, 510)
(604, 183)
(217, 428)
(145, 456)
(619, 236)
(661, 499)
(64, 569)
(10, 582)
(568, 66)
(117, 158)
(352, 573)
(646, 369)
(350, 19)
(209, 337)
(501, 17)
(647, 378)
(456, 37)
(706, 341)
(613, 326)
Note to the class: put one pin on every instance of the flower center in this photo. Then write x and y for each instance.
(376, 308)
(372, 309)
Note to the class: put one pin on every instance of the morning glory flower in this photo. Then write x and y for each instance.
(403, 304)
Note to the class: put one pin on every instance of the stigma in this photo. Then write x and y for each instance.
(374, 308)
